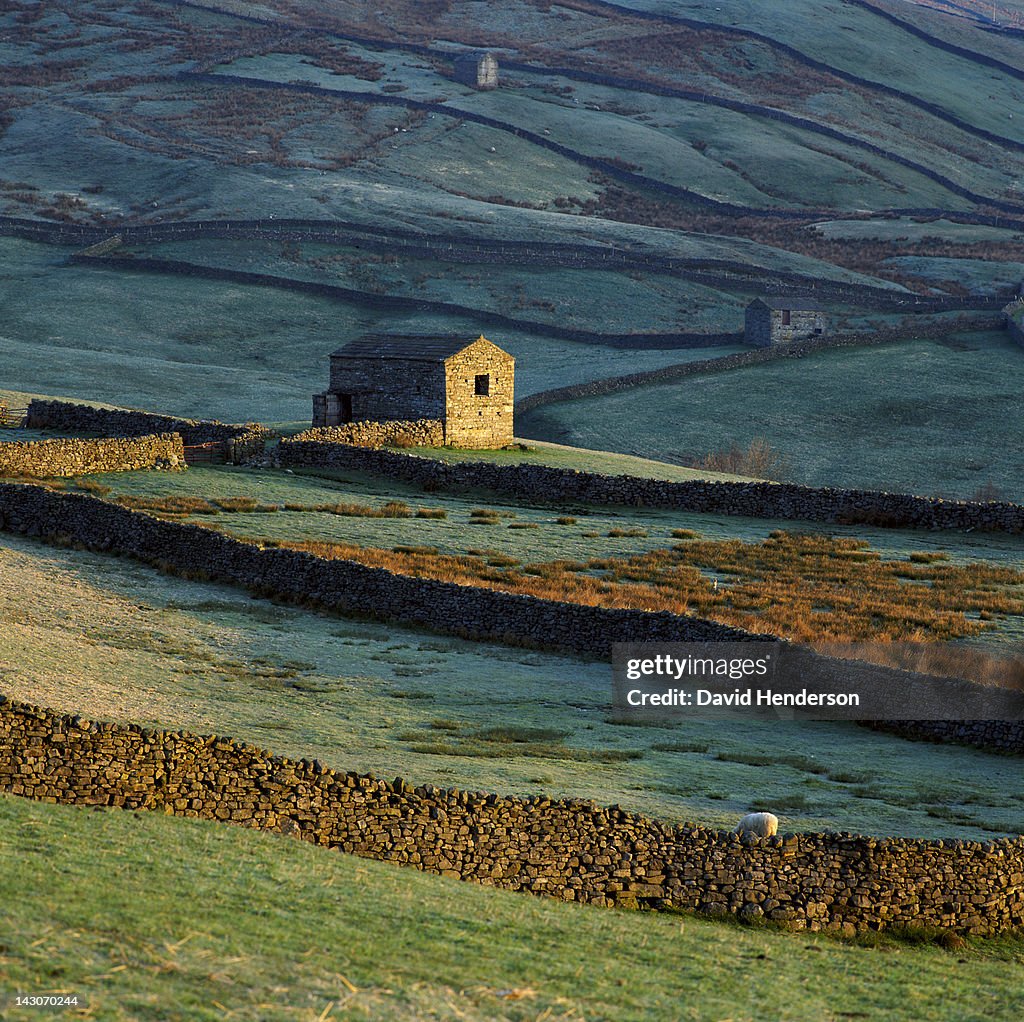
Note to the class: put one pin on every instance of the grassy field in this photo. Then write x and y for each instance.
(920, 417)
(864, 44)
(112, 639)
(538, 452)
(588, 554)
(150, 918)
(650, 303)
(220, 350)
(791, 166)
(278, 930)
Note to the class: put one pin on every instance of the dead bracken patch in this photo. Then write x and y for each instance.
(808, 588)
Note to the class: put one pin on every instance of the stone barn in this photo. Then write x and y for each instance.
(772, 321)
(467, 387)
(478, 69)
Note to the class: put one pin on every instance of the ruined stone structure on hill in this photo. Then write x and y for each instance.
(771, 321)
(478, 69)
(467, 388)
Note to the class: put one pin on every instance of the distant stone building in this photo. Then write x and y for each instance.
(783, 320)
(478, 69)
(1014, 315)
(468, 387)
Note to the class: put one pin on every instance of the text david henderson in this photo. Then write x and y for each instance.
(740, 697)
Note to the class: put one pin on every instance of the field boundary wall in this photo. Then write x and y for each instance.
(543, 483)
(999, 736)
(354, 589)
(69, 456)
(908, 329)
(568, 849)
(240, 441)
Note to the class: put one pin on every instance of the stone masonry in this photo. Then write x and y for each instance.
(67, 456)
(478, 69)
(391, 378)
(240, 441)
(771, 321)
(564, 848)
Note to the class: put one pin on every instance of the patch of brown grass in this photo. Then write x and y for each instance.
(808, 588)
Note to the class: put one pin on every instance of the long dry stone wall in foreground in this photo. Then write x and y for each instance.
(568, 849)
(240, 440)
(67, 456)
(755, 500)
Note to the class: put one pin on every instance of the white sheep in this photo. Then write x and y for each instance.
(758, 825)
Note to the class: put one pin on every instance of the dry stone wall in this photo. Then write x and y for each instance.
(756, 500)
(568, 849)
(343, 586)
(1012, 325)
(240, 441)
(1001, 736)
(66, 456)
(413, 433)
(910, 328)
(351, 588)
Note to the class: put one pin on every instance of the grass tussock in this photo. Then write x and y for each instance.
(182, 505)
(98, 489)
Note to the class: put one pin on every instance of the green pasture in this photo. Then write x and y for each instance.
(275, 929)
(978, 275)
(213, 349)
(897, 229)
(857, 41)
(113, 639)
(780, 163)
(605, 301)
(920, 417)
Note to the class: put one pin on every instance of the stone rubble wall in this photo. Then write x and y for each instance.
(414, 433)
(564, 848)
(1000, 736)
(342, 586)
(240, 441)
(66, 456)
(348, 587)
(754, 499)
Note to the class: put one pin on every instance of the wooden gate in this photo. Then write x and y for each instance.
(205, 454)
(12, 418)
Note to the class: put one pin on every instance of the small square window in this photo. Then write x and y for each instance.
(483, 384)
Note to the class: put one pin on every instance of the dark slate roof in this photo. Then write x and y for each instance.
(794, 304)
(407, 347)
(472, 55)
